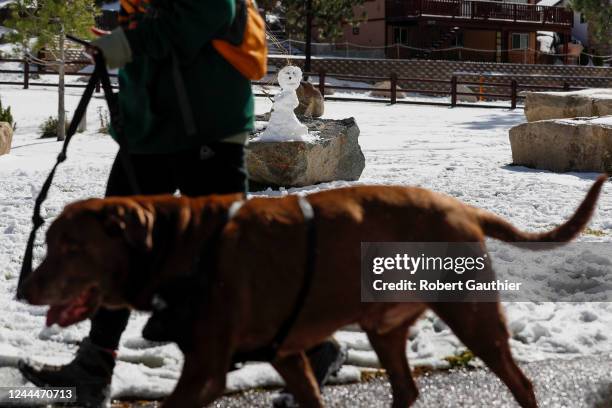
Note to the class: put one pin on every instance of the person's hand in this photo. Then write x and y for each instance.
(114, 47)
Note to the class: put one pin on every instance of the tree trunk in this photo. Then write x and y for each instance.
(61, 111)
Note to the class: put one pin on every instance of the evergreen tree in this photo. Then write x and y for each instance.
(44, 24)
(329, 17)
(598, 14)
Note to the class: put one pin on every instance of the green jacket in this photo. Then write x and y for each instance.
(221, 98)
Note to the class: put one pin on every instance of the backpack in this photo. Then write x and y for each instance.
(244, 44)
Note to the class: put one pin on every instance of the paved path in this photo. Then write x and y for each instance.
(579, 383)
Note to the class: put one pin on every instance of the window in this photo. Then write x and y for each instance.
(400, 35)
(355, 30)
(520, 41)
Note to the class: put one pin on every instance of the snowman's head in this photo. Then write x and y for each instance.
(290, 77)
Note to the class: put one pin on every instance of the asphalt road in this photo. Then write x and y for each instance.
(578, 383)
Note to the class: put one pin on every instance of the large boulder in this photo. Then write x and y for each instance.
(561, 145)
(334, 155)
(463, 90)
(383, 90)
(312, 104)
(559, 105)
(6, 137)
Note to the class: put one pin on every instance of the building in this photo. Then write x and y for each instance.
(495, 31)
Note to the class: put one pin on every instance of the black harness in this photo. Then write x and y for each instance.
(270, 352)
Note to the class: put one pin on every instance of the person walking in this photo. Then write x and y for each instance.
(155, 39)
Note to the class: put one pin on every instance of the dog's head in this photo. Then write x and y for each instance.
(90, 247)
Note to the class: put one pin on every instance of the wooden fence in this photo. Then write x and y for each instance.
(504, 88)
(28, 74)
(486, 90)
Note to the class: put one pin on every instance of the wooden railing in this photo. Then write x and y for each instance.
(480, 10)
(508, 88)
(28, 74)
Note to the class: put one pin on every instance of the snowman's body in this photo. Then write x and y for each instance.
(283, 124)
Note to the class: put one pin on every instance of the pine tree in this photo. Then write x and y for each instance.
(330, 16)
(44, 23)
(598, 14)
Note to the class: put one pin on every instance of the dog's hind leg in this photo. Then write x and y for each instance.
(481, 327)
(391, 350)
(299, 379)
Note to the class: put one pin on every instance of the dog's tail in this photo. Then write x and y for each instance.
(496, 227)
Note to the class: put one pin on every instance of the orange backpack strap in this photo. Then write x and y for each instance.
(248, 53)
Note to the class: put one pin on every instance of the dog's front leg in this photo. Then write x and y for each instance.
(199, 384)
(300, 380)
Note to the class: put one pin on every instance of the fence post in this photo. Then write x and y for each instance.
(393, 88)
(322, 82)
(26, 74)
(566, 86)
(514, 87)
(453, 91)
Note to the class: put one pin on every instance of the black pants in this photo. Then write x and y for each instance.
(217, 168)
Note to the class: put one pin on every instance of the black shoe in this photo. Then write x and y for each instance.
(170, 322)
(326, 360)
(174, 308)
(90, 372)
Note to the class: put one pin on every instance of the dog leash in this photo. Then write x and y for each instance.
(100, 75)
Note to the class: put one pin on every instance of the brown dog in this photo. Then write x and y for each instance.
(260, 256)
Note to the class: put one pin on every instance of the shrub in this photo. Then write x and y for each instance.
(49, 127)
(104, 121)
(6, 116)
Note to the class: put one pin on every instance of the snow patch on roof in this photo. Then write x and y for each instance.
(548, 2)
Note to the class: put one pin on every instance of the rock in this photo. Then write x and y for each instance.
(464, 89)
(381, 90)
(311, 104)
(335, 155)
(559, 105)
(561, 145)
(6, 137)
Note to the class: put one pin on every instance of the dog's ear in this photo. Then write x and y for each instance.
(132, 222)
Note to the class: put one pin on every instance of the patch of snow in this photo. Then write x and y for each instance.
(549, 3)
(463, 152)
(547, 41)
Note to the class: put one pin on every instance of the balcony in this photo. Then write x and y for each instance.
(479, 12)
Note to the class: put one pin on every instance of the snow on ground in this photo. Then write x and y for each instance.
(463, 152)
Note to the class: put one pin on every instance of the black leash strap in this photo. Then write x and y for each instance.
(100, 74)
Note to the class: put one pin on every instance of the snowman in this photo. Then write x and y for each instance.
(284, 126)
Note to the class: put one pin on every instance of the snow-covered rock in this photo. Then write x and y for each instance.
(464, 89)
(561, 145)
(559, 105)
(6, 138)
(382, 90)
(334, 155)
